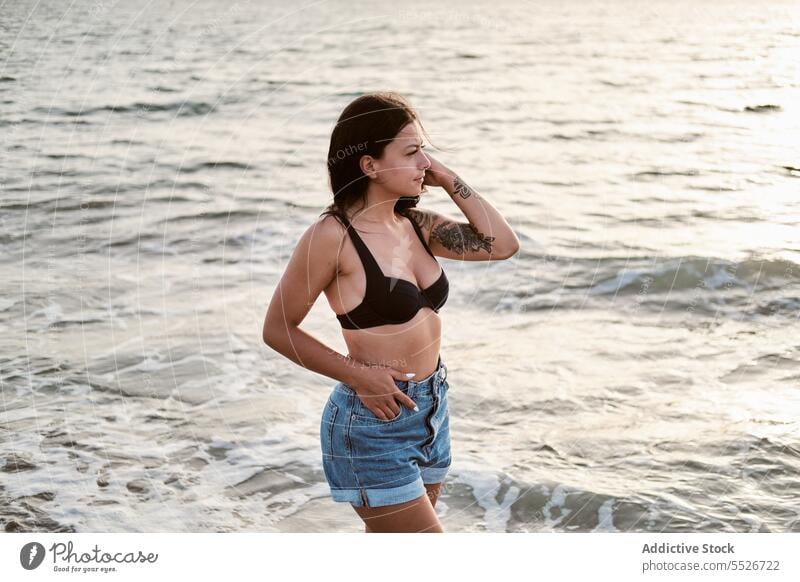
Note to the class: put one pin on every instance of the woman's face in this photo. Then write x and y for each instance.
(402, 166)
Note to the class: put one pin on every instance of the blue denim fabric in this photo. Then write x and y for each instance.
(372, 462)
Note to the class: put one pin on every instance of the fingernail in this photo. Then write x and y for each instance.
(416, 408)
(411, 374)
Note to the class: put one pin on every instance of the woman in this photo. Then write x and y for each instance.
(384, 436)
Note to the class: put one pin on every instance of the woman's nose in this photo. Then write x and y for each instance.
(426, 162)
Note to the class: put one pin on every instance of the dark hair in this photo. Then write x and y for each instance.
(364, 128)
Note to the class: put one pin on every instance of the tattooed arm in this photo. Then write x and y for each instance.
(485, 237)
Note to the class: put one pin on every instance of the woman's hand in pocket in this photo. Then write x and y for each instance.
(376, 389)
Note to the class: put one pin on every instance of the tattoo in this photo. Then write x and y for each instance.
(455, 236)
(423, 219)
(462, 238)
(461, 188)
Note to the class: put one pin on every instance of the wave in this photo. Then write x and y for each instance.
(554, 506)
(164, 184)
(765, 108)
(589, 134)
(608, 134)
(68, 203)
(768, 108)
(556, 121)
(226, 215)
(752, 288)
(616, 84)
(180, 108)
(792, 170)
(163, 89)
(789, 306)
(655, 174)
(687, 273)
(46, 121)
(213, 166)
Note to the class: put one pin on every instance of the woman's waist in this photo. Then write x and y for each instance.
(422, 363)
(409, 347)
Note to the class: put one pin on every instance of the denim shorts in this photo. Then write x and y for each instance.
(370, 462)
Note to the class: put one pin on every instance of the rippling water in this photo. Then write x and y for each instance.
(633, 368)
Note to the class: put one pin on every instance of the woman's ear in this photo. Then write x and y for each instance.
(367, 164)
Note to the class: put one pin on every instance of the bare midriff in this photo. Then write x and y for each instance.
(412, 346)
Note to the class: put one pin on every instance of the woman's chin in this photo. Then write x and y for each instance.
(411, 197)
(413, 192)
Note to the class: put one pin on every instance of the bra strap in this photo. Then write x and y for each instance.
(371, 266)
(421, 236)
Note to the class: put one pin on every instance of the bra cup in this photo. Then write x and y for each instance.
(439, 300)
(387, 299)
(400, 302)
(438, 292)
(395, 304)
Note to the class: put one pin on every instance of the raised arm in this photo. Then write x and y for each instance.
(486, 236)
(311, 268)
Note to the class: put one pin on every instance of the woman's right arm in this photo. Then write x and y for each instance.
(311, 268)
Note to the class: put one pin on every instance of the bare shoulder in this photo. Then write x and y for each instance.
(313, 266)
(327, 229)
(323, 240)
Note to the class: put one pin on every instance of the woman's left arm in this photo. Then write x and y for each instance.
(485, 237)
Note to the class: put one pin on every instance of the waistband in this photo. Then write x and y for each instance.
(411, 387)
(427, 384)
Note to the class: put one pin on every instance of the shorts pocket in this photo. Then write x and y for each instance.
(366, 416)
(328, 422)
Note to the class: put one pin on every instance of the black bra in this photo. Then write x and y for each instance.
(389, 299)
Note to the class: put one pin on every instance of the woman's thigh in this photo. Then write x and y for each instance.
(415, 516)
(432, 490)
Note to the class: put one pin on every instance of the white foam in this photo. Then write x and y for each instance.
(605, 517)
(557, 499)
(485, 486)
